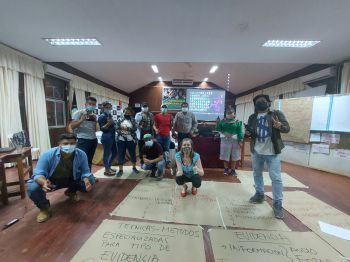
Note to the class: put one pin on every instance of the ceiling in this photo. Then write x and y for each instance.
(137, 33)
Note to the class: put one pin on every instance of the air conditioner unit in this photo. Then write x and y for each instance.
(319, 75)
(182, 82)
(56, 72)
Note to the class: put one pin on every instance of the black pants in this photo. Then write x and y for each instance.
(89, 147)
(196, 180)
(180, 137)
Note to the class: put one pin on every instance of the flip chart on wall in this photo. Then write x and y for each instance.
(272, 246)
(122, 241)
(339, 120)
(320, 111)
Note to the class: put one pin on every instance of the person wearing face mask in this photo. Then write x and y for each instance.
(162, 126)
(126, 128)
(64, 166)
(107, 126)
(84, 125)
(232, 134)
(185, 123)
(265, 128)
(189, 167)
(152, 153)
(145, 120)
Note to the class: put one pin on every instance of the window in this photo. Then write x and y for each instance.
(55, 93)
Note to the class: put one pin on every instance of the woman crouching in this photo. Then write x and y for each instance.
(189, 167)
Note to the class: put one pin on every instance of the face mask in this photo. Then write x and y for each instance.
(127, 116)
(164, 110)
(144, 109)
(90, 108)
(186, 149)
(108, 111)
(261, 105)
(230, 116)
(68, 149)
(149, 143)
(185, 109)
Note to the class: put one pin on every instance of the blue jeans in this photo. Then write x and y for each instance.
(160, 165)
(122, 146)
(165, 142)
(38, 195)
(274, 166)
(109, 149)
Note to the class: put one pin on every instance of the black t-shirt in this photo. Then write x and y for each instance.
(63, 174)
(152, 152)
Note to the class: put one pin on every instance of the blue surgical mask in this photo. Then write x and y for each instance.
(68, 149)
(149, 143)
(108, 111)
(144, 109)
(164, 110)
(90, 108)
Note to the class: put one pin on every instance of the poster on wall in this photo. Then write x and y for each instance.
(173, 97)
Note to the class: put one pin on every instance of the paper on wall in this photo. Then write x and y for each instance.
(315, 137)
(320, 149)
(342, 153)
(330, 138)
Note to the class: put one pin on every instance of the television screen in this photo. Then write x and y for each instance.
(206, 104)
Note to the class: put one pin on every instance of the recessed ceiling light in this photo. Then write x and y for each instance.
(155, 69)
(290, 43)
(205, 79)
(72, 41)
(213, 69)
(160, 78)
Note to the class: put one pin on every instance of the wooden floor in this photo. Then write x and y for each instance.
(71, 225)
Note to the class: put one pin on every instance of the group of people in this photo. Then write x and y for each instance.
(69, 164)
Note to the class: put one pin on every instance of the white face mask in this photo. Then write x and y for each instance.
(185, 109)
(144, 109)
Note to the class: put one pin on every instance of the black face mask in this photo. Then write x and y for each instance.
(127, 116)
(261, 105)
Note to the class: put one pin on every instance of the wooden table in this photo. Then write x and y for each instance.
(17, 156)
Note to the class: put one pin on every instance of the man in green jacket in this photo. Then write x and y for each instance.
(265, 128)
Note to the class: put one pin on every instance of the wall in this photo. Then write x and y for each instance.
(152, 93)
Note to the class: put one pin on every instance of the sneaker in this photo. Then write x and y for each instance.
(113, 170)
(233, 173)
(226, 171)
(73, 196)
(120, 173)
(257, 198)
(43, 215)
(109, 173)
(278, 210)
(135, 170)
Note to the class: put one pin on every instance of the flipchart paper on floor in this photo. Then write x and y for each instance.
(272, 246)
(120, 241)
(127, 174)
(310, 210)
(216, 204)
(246, 177)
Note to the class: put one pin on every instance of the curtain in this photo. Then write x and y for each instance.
(36, 112)
(345, 79)
(10, 120)
(80, 97)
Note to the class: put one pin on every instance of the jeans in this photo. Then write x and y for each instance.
(195, 179)
(122, 146)
(38, 195)
(274, 166)
(165, 142)
(180, 137)
(160, 165)
(109, 149)
(89, 147)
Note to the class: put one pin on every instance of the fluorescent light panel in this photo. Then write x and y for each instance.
(72, 41)
(205, 79)
(290, 43)
(213, 69)
(155, 69)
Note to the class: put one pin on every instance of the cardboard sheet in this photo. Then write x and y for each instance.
(120, 241)
(246, 178)
(272, 246)
(128, 173)
(216, 204)
(310, 210)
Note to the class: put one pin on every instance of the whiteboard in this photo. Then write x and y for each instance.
(320, 111)
(340, 120)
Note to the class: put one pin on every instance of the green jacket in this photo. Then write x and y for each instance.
(275, 133)
(233, 127)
